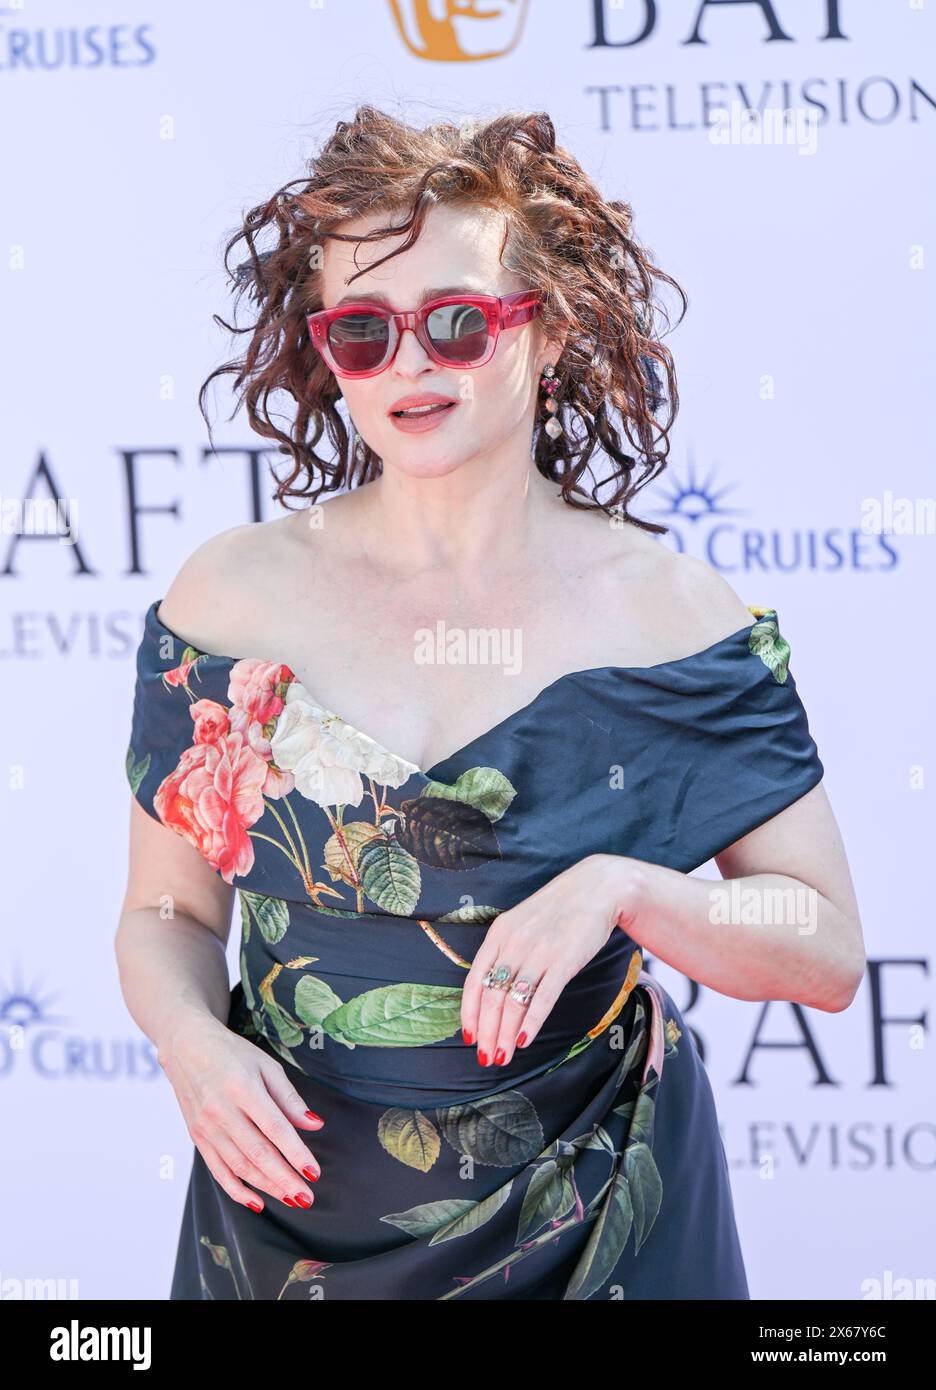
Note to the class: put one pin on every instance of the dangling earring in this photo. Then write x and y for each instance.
(359, 452)
(549, 383)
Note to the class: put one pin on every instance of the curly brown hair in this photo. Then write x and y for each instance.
(563, 237)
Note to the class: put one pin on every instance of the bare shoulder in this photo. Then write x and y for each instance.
(711, 605)
(678, 600)
(226, 579)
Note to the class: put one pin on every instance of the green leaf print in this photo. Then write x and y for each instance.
(477, 1215)
(289, 1032)
(390, 876)
(549, 1196)
(598, 1138)
(766, 642)
(411, 1137)
(342, 850)
(606, 1242)
(644, 1110)
(632, 1202)
(612, 1208)
(638, 1046)
(270, 914)
(277, 1046)
(501, 1130)
(245, 981)
(473, 914)
(428, 1217)
(338, 911)
(646, 1188)
(400, 1015)
(446, 834)
(136, 771)
(314, 1000)
(485, 788)
(449, 1217)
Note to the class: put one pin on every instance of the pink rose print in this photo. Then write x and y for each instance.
(213, 797)
(256, 690)
(211, 721)
(254, 687)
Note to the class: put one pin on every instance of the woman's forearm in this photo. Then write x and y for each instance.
(170, 972)
(763, 936)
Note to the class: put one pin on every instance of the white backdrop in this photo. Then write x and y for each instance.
(805, 367)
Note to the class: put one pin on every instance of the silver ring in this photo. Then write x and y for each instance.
(498, 977)
(523, 990)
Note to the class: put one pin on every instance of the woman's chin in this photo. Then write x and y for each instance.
(427, 461)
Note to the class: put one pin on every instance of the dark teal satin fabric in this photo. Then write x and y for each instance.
(591, 1166)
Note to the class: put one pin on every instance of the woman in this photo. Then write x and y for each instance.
(444, 1073)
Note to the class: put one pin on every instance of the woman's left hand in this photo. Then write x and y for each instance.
(546, 939)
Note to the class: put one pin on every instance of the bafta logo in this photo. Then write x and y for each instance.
(459, 31)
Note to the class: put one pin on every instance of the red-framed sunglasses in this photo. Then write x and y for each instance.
(456, 330)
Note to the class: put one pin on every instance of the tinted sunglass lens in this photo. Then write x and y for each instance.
(358, 342)
(459, 332)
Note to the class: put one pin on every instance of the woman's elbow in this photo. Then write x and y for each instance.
(850, 974)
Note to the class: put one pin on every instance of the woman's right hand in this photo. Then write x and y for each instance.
(241, 1110)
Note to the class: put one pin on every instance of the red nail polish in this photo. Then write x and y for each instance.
(521, 1039)
(289, 1201)
(310, 1173)
(255, 1206)
(469, 1037)
(303, 1199)
(311, 1115)
(499, 1056)
(482, 1058)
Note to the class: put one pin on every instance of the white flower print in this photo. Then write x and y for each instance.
(329, 757)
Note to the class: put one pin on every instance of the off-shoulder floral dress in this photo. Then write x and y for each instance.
(591, 1166)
